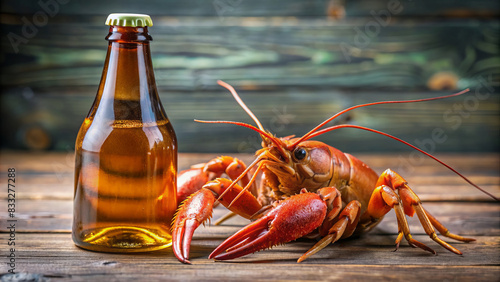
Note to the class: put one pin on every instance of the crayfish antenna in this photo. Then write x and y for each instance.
(328, 129)
(309, 134)
(263, 133)
(242, 104)
(316, 132)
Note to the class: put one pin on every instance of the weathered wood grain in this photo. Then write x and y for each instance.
(297, 273)
(34, 187)
(43, 162)
(263, 8)
(41, 172)
(44, 249)
(468, 219)
(463, 130)
(293, 72)
(255, 53)
(350, 260)
(46, 193)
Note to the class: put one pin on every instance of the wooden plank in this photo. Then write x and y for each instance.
(34, 188)
(450, 188)
(426, 8)
(348, 260)
(54, 172)
(191, 54)
(51, 163)
(462, 130)
(304, 272)
(44, 249)
(468, 219)
(293, 72)
(376, 250)
(477, 163)
(262, 8)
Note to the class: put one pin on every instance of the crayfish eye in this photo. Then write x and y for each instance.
(299, 154)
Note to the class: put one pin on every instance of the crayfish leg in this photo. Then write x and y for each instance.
(192, 180)
(406, 202)
(444, 231)
(343, 226)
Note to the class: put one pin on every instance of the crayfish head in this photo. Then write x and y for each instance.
(308, 165)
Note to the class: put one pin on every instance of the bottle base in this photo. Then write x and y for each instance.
(122, 239)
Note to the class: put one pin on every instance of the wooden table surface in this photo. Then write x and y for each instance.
(44, 249)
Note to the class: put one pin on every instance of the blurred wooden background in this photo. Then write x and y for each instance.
(294, 62)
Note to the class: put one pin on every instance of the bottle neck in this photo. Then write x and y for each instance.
(127, 34)
(128, 71)
(128, 89)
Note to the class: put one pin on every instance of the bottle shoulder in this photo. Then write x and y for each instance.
(122, 136)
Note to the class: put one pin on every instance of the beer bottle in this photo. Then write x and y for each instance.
(126, 151)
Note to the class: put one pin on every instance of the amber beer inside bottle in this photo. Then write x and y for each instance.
(126, 155)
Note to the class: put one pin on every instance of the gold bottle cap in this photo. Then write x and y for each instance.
(132, 20)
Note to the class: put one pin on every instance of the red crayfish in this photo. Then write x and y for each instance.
(297, 187)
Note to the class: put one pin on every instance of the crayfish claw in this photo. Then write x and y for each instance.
(193, 212)
(244, 242)
(292, 218)
(182, 239)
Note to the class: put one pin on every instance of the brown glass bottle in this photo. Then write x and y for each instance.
(126, 153)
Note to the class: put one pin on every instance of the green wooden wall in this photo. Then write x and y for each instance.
(295, 63)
